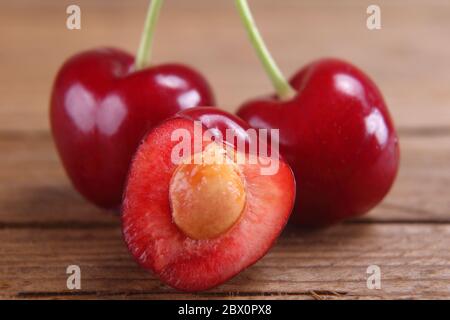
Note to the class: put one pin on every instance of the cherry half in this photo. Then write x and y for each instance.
(335, 132)
(196, 224)
(103, 102)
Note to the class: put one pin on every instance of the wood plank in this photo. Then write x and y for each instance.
(35, 192)
(412, 74)
(332, 263)
(34, 189)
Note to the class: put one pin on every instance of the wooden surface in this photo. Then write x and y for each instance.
(46, 226)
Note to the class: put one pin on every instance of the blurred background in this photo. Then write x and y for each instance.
(408, 58)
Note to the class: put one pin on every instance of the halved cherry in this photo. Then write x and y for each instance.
(198, 208)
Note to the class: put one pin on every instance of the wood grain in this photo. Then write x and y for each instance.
(46, 226)
(332, 263)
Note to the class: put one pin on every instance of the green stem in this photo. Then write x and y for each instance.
(282, 87)
(144, 52)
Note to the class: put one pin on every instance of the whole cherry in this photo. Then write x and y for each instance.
(103, 102)
(335, 132)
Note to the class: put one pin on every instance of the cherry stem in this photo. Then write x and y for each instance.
(281, 85)
(144, 52)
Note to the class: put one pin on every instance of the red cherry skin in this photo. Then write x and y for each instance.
(100, 110)
(338, 137)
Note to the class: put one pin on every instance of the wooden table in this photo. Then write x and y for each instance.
(46, 226)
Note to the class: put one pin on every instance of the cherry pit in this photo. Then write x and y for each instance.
(198, 207)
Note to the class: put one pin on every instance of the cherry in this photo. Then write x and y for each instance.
(335, 132)
(102, 104)
(196, 224)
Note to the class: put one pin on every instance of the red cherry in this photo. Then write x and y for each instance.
(195, 225)
(103, 102)
(335, 132)
(338, 137)
(101, 108)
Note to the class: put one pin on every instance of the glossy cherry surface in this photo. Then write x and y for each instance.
(220, 121)
(338, 137)
(101, 108)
